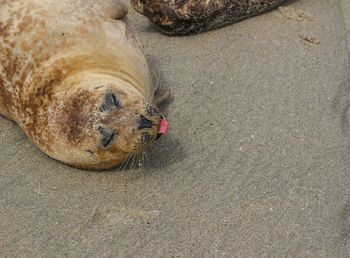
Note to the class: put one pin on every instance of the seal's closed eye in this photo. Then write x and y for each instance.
(110, 101)
(107, 137)
(84, 107)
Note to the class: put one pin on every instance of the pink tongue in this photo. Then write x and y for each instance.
(164, 126)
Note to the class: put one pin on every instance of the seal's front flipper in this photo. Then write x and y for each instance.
(111, 9)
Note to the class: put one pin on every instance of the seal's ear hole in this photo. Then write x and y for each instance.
(110, 101)
(162, 98)
(107, 137)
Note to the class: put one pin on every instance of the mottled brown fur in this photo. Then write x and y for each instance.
(183, 17)
(58, 61)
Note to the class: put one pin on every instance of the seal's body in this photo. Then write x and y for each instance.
(73, 76)
(183, 17)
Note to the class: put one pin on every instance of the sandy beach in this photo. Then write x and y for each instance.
(256, 163)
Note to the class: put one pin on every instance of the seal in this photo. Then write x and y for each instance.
(74, 77)
(185, 17)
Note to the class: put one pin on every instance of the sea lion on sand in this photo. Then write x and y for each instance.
(184, 17)
(73, 76)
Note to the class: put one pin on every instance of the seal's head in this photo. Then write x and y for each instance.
(102, 123)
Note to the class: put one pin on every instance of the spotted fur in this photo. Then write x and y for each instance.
(183, 17)
(59, 61)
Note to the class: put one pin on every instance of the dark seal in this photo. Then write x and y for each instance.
(185, 17)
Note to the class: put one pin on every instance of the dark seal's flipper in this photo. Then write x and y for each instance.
(184, 17)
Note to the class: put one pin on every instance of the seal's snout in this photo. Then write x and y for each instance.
(144, 123)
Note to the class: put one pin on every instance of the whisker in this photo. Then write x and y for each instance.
(134, 161)
(143, 158)
(139, 161)
(123, 166)
(131, 160)
(147, 160)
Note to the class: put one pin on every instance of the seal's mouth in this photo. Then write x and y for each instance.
(163, 127)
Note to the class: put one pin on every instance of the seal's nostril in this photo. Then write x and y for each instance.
(144, 123)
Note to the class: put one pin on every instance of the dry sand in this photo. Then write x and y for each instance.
(257, 162)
